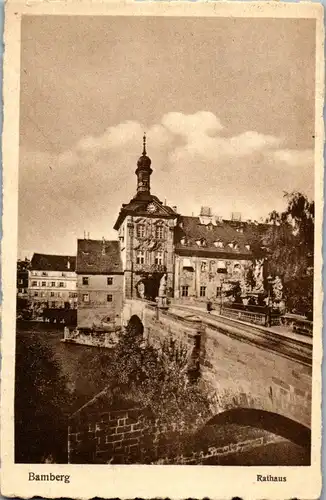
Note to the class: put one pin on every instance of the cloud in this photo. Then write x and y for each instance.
(295, 157)
(195, 162)
(202, 123)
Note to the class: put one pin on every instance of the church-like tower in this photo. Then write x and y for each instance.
(146, 234)
(144, 171)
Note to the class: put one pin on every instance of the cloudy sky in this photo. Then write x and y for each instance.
(228, 106)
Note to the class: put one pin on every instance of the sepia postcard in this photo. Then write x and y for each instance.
(162, 250)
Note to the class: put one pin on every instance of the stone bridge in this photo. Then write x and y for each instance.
(259, 376)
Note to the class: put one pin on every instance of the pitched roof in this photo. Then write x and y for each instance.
(46, 262)
(192, 229)
(98, 257)
(138, 206)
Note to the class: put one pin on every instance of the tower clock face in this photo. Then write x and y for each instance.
(151, 208)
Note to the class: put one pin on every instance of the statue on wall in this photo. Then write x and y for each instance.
(258, 276)
(141, 289)
(163, 285)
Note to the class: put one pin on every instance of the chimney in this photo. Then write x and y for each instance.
(175, 209)
(84, 234)
(103, 245)
(68, 263)
(206, 211)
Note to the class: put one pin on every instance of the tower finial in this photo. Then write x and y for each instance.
(144, 144)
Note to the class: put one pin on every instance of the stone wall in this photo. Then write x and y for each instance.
(244, 375)
(105, 437)
(246, 366)
(121, 437)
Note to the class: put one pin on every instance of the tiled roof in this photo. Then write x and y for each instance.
(45, 262)
(191, 229)
(98, 257)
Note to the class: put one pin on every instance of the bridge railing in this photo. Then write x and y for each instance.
(298, 324)
(258, 315)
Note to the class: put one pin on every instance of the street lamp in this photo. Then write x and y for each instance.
(269, 297)
(221, 296)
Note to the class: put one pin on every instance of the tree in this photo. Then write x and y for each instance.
(156, 378)
(42, 403)
(290, 248)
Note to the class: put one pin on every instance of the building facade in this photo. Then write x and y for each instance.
(146, 234)
(22, 278)
(52, 282)
(211, 255)
(99, 284)
(199, 256)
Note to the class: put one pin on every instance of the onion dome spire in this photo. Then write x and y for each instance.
(143, 170)
(144, 144)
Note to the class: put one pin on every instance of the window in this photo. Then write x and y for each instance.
(219, 244)
(110, 280)
(52, 283)
(73, 295)
(34, 283)
(20, 282)
(218, 291)
(44, 273)
(184, 291)
(35, 294)
(159, 232)
(43, 283)
(63, 275)
(20, 290)
(86, 297)
(53, 304)
(212, 266)
(159, 258)
(202, 292)
(52, 294)
(140, 230)
(109, 298)
(85, 280)
(59, 294)
(61, 284)
(140, 259)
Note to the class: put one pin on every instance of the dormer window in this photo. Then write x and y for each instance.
(231, 244)
(248, 247)
(219, 244)
(198, 242)
(183, 241)
(203, 242)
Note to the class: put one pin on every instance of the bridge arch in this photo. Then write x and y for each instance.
(265, 420)
(135, 327)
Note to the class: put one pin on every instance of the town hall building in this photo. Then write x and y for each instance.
(197, 255)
